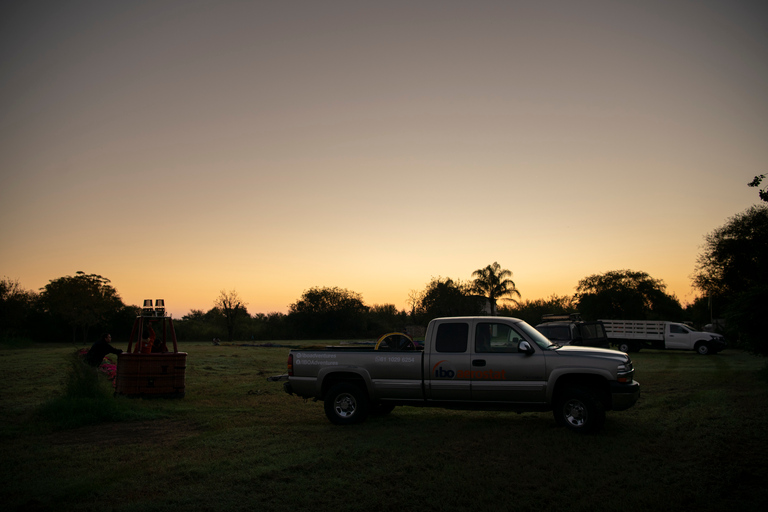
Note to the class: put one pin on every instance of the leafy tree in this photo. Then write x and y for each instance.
(745, 319)
(272, 326)
(702, 311)
(329, 313)
(198, 325)
(735, 255)
(626, 294)
(495, 283)
(732, 270)
(446, 297)
(383, 318)
(82, 301)
(763, 193)
(232, 308)
(532, 310)
(15, 307)
(414, 296)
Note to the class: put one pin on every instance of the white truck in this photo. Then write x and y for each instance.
(632, 335)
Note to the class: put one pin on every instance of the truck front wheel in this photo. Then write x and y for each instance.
(703, 349)
(345, 404)
(580, 410)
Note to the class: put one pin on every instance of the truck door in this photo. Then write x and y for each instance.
(449, 362)
(677, 336)
(499, 372)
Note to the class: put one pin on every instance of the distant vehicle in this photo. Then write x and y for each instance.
(572, 330)
(632, 335)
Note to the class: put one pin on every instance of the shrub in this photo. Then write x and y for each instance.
(87, 398)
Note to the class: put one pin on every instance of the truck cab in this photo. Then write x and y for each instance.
(572, 330)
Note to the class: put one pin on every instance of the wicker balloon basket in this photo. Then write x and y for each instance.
(148, 368)
(160, 375)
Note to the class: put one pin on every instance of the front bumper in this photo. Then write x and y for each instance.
(624, 396)
(717, 345)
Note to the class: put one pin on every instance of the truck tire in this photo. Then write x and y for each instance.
(346, 404)
(580, 410)
(628, 346)
(702, 348)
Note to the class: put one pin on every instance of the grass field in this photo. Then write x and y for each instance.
(695, 441)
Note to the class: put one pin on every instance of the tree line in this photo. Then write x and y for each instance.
(731, 273)
(84, 305)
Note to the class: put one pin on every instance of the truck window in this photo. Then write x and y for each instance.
(452, 337)
(494, 337)
(592, 331)
(535, 335)
(677, 329)
(556, 332)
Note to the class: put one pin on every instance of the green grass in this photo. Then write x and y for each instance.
(87, 398)
(694, 441)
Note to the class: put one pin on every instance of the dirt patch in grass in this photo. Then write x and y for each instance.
(155, 432)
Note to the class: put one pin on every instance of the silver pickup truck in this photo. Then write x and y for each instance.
(484, 362)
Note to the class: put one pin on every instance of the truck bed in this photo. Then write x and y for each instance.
(634, 330)
(392, 373)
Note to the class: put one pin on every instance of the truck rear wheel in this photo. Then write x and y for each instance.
(628, 346)
(580, 410)
(346, 404)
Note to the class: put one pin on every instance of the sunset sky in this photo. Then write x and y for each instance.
(181, 148)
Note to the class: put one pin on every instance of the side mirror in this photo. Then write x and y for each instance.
(525, 348)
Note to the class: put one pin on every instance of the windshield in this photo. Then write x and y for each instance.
(592, 331)
(534, 335)
(555, 332)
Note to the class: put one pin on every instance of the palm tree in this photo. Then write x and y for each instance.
(495, 283)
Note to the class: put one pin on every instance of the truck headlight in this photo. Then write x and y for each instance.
(625, 372)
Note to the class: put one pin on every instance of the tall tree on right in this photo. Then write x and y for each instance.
(733, 270)
(762, 192)
(495, 283)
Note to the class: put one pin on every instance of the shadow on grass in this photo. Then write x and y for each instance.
(762, 374)
(87, 399)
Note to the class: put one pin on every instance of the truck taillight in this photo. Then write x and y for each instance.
(290, 365)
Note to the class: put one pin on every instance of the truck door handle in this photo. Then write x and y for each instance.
(478, 362)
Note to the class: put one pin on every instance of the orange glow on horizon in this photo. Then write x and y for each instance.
(373, 148)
